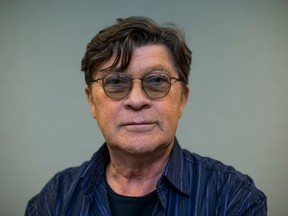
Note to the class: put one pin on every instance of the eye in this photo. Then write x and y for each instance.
(156, 81)
(116, 81)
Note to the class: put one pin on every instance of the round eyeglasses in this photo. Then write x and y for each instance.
(117, 85)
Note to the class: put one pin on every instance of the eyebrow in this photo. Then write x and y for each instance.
(146, 70)
(152, 68)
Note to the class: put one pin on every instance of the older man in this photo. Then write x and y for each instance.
(136, 75)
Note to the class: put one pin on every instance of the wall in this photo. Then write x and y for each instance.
(238, 105)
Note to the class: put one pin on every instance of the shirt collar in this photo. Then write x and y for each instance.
(95, 170)
(176, 172)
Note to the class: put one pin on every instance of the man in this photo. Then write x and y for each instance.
(136, 75)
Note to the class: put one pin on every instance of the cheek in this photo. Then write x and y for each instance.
(106, 115)
(175, 107)
(170, 113)
(178, 101)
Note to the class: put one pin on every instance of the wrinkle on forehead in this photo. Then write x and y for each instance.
(163, 61)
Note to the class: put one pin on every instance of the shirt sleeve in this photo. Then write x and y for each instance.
(32, 210)
(242, 198)
(46, 202)
(41, 204)
(258, 209)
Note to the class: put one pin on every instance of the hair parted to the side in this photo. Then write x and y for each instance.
(122, 38)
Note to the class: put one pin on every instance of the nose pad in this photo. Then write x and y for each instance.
(137, 97)
(139, 87)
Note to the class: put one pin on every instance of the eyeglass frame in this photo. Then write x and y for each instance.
(142, 85)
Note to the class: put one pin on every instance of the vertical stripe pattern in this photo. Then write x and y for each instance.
(190, 185)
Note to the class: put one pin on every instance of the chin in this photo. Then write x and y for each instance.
(140, 144)
(144, 148)
(138, 149)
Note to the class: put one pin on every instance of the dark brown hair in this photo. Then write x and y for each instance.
(122, 38)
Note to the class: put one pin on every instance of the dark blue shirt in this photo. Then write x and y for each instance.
(190, 185)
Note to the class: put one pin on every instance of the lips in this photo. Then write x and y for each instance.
(139, 126)
(136, 123)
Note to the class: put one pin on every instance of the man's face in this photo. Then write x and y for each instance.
(138, 124)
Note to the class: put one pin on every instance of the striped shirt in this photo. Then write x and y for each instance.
(190, 185)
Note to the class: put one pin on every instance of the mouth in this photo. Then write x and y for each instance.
(137, 123)
(141, 126)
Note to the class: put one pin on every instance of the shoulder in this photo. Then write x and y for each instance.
(63, 180)
(210, 168)
(235, 190)
(67, 187)
(210, 164)
(55, 190)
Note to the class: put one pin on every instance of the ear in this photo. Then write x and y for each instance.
(184, 99)
(90, 99)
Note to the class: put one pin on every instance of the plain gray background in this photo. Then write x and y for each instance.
(237, 111)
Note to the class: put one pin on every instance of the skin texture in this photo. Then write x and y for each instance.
(139, 131)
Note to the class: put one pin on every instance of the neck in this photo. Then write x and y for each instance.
(135, 175)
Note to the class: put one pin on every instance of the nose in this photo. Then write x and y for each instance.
(137, 98)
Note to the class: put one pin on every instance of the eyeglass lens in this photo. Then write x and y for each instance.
(117, 85)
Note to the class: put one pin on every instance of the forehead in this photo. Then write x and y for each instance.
(146, 59)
